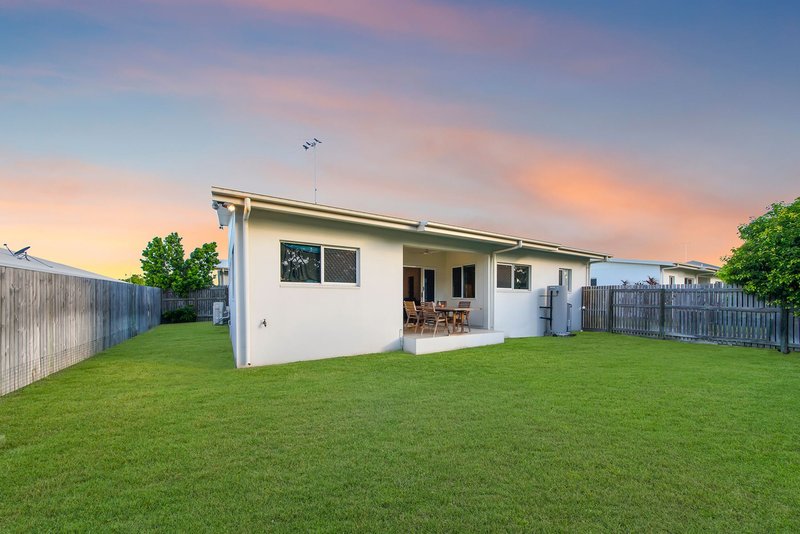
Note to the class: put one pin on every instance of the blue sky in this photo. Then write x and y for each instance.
(641, 129)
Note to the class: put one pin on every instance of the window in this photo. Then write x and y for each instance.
(688, 281)
(565, 278)
(340, 265)
(593, 282)
(513, 276)
(316, 264)
(457, 282)
(464, 282)
(672, 280)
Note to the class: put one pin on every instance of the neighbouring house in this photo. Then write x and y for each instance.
(309, 281)
(615, 271)
(221, 273)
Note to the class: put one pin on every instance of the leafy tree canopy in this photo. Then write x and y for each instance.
(136, 279)
(768, 261)
(164, 265)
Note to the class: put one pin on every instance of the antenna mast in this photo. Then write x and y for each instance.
(313, 144)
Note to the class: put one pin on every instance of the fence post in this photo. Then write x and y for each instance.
(662, 308)
(783, 329)
(611, 309)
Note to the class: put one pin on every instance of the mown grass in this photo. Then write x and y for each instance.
(595, 432)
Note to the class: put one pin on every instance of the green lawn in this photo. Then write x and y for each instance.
(594, 432)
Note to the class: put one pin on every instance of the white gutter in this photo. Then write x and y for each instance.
(493, 278)
(245, 261)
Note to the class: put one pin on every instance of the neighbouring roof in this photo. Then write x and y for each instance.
(222, 264)
(33, 264)
(703, 265)
(641, 262)
(694, 265)
(296, 207)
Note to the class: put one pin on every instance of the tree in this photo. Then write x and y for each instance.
(135, 279)
(768, 261)
(164, 265)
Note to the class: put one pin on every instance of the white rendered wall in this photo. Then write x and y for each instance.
(517, 311)
(680, 276)
(612, 274)
(313, 321)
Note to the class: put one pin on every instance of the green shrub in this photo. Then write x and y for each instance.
(185, 314)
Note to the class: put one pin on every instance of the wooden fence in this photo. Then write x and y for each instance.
(50, 321)
(720, 314)
(202, 301)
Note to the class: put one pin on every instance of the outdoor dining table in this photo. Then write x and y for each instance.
(450, 313)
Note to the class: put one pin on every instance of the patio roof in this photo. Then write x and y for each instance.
(220, 195)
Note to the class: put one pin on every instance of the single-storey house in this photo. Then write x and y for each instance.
(615, 271)
(221, 273)
(308, 281)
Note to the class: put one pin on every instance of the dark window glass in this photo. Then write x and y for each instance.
(340, 265)
(594, 282)
(565, 278)
(504, 276)
(430, 289)
(300, 263)
(457, 282)
(469, 282)
(522, 276)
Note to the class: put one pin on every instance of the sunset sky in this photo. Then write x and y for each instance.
(642, 129)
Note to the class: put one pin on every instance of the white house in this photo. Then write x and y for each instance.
(613, 271)
(309, 281)
(221, 273)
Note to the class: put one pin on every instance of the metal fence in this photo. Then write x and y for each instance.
(720, 314)
(51, 321)
(202, 301)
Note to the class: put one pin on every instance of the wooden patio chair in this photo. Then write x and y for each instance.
(462, 318)
(413, 315)
(432, 319)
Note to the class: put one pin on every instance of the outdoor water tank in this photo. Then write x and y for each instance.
(559, 310)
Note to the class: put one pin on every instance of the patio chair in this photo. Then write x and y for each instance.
(413, 316)
(432, 319)
(463, 317)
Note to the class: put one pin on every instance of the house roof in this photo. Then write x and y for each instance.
(281, 205)
(641, 262)
(697, 266)
(222, 264)
(703, 265)
(32, 263)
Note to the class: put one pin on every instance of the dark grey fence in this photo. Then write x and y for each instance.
(202, 301)
(51, 321)
(721, 314)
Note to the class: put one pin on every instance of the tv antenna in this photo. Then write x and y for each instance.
(22, 254)
(313, 144)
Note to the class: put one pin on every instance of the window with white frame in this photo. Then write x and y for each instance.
(464, 282)
(513, 276)
(318, 264)
(672, 280)
(565, 278)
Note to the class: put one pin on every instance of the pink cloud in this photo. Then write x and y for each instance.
(63, 207)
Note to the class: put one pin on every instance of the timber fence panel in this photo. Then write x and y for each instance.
(51, 321)
(202, 301)
(720, 314)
